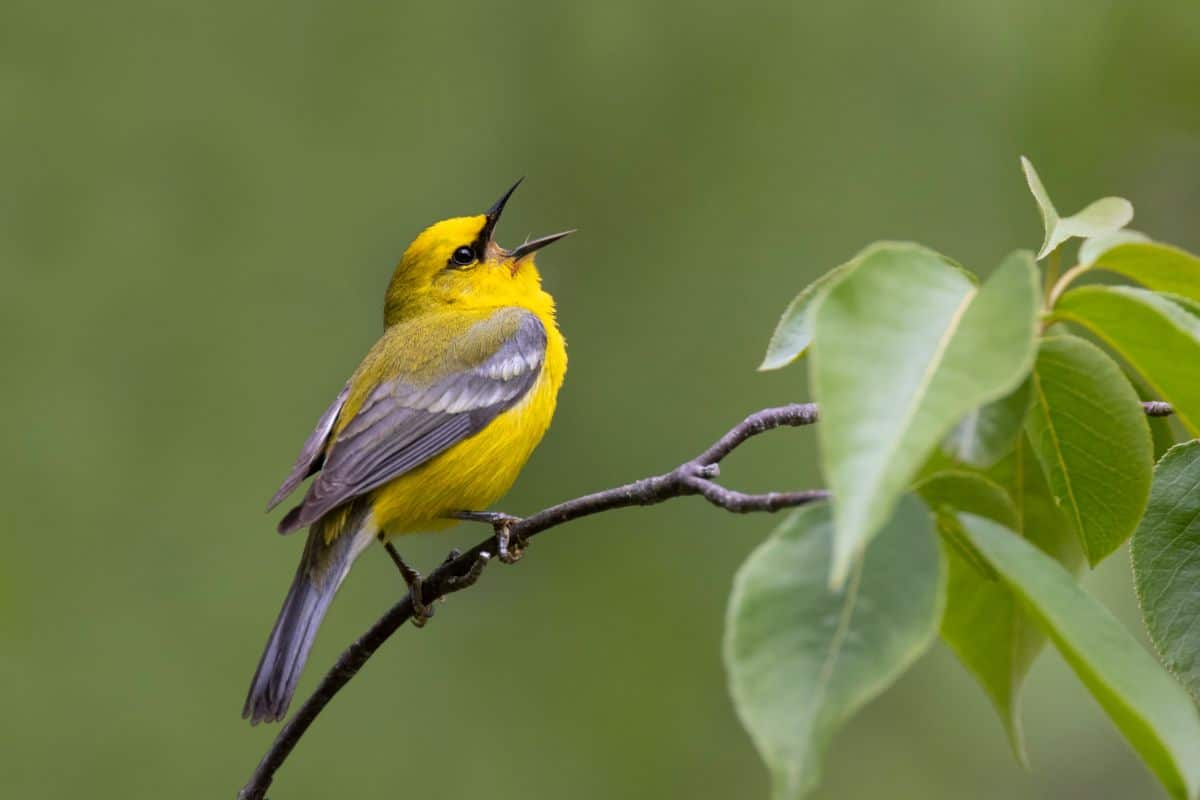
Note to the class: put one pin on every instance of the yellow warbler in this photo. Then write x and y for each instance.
(438, 419)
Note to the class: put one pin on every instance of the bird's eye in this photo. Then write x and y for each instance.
(463, 256)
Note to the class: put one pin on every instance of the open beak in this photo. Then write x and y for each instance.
(519, 252)
(489, 228)
(493, 214)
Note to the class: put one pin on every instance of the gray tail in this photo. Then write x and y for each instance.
(322, 570)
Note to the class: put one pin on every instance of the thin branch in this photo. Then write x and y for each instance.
(693, 477)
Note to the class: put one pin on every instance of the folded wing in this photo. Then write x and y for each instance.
(403, 424)
(312, 455)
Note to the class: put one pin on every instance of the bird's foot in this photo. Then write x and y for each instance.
(421, 613)
(510, 546)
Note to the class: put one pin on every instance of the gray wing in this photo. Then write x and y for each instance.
(312, 454)
(401, 425)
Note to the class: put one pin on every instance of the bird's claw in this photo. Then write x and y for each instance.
(510, 548)
(421, 612)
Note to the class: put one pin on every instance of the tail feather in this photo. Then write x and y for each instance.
(322, 570)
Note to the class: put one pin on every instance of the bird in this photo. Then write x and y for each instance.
(432, 427)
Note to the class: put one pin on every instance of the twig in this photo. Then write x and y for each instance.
(693, 477)
(1157, 408)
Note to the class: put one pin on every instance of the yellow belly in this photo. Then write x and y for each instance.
(472, 474)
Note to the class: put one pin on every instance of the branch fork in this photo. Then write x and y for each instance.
(461, 570)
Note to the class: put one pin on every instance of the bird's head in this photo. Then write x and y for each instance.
(458, 262)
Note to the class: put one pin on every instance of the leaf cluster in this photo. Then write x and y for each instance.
(985, 442)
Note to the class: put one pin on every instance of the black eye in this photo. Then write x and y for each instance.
(463, 256)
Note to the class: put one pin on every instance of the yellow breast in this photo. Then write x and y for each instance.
(476, 472)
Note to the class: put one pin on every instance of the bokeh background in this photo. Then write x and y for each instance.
(200, 206)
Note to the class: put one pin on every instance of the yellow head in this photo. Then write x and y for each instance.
(456, 262)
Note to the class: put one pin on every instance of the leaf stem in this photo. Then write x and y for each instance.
(1053, 266)
(1062, 283)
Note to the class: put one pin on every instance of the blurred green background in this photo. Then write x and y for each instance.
(200, 206)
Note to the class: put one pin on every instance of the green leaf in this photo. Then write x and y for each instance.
(803, 659)
(1152, 711)
(1040, 518)
(1186, 303)
(988, 433)
(1041, 521)
(1104, 216)
(983, 623)
(1091, 438)
(1045, 206)
(1159, 338)
(1093, 248)
(953, 491)
(904, 347)
(1166, 572)
(793, 334)
(1155, 266)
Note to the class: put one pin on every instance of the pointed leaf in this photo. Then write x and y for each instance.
(1159, 338)
(801, 658)
(904, 347)
(983, 623)
(1100, 218)
(1154, 265)
(988, 433)
(793, 334)
(1152, 711)
(1045, 207)
(1090, 436)
(1166, 571)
